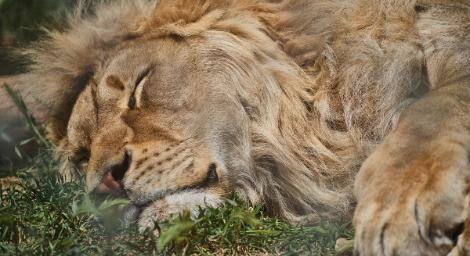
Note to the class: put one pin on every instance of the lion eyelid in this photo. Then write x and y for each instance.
(134, 100)
(143, 75)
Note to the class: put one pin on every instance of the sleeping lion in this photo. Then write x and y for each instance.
(311, 107)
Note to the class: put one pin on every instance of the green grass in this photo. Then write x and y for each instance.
(42, 215)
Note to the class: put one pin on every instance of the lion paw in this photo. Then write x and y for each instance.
(410, 209)
(399, 229)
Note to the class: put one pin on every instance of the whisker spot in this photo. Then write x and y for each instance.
(138, 164)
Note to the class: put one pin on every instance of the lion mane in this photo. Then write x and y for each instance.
(351, 71)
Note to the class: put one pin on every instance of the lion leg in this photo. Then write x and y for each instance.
(413, 190)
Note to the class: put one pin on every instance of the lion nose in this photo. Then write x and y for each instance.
(111, 182)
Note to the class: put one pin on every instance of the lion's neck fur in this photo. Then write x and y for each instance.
(361, 64)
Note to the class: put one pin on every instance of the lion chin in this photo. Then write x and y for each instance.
(311, 107)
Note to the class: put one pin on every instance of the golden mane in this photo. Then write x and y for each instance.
(337, 95)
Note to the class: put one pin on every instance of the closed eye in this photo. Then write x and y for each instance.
(139, 84)
(81, 159)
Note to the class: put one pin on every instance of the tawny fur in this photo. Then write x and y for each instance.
(358, 65)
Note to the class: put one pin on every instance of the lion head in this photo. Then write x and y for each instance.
(178, 104)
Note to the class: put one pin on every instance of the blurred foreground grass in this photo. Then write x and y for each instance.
(42, 215)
